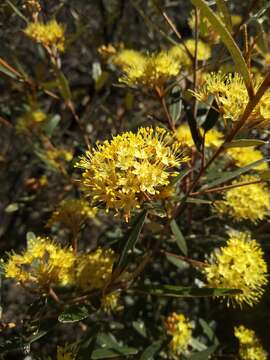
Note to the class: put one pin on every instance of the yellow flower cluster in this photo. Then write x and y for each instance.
(181, 330)
(93, 271)
(232, 97)
(110, 302)
(55, 157)
(30, 121)
(179, 52)
(239, 265)
(213, 137)
(248, 202)
(49, 35)
(44, 263)
(67, 352)
(33, 6)
(131, 169)
(150, 71)
(72, 213)
(244, 156)
(250, 346)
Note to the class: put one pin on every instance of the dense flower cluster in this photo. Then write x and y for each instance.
(181, 330)
(250, 347)
(110, 302)
(44, 263)
(232, 97)
(249, 202)
(179, 52)
(213, 137)
(243, 156)
(239, 265)
(131, 169)
(93, 271)
(150, 71)
(72, 213)
(49, 35)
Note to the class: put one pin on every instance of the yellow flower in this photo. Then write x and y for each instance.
(127, 58)
(110, 302)
(72, 213)
(33, 6)
(93, 271)
(247, 202)
(232, 97)
(239, 265)
(250, 347)
(67, 352)
(44, 263)
(149, 71)
(179, 53)
(213, 137)
(131, 169)
(55, 157)
(49, 35)
(181, 330)
(31, 120)
(244, 156)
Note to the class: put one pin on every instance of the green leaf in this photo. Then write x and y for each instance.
(30, 236)
(178, 178)
(180, 240)
(140, 327)
(131, 240)
(175, 103)
(229, 175)
(244, 143)
(198, 201)
(63, 86)
(152, 350)
(264, 175)
(73, 314)
(113, 353)
(192, 123)
(205, 354)
(17, 11)
(181, 264)
(87, 345)
(227, 39)
(101, 81)
(223, 10)
(211, 118)
(182, 291)
(7, 72)
(52, 124)
(208, 331)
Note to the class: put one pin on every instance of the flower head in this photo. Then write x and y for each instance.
(244, 156)
(126, 58)
(250, 347)
(110, 302)
(149, 71)
(72, 213)
(181, 330)
(247, 202)
(49, 35)
(43, 263)
(239, 265)
(93, 271)
(131, 169)
(232, 97)
(179, 52)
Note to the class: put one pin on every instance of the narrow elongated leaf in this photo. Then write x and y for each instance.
(244, 143)
(198, 201)
(229, 175)
(205, 354)
(63, 85)
(180, 240)
(73, 314)
(87, 345)
(264, 175)
(223, 10)
(140, 328)
(152, 350)
(181, 264)
(113, 353)
(182, 291)
(7, 72)
(195, 132)
(131, 240)
(211, 118)
(208, 331)
(178, 178)
(227, 39)
(175, 103)
(17, 11)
